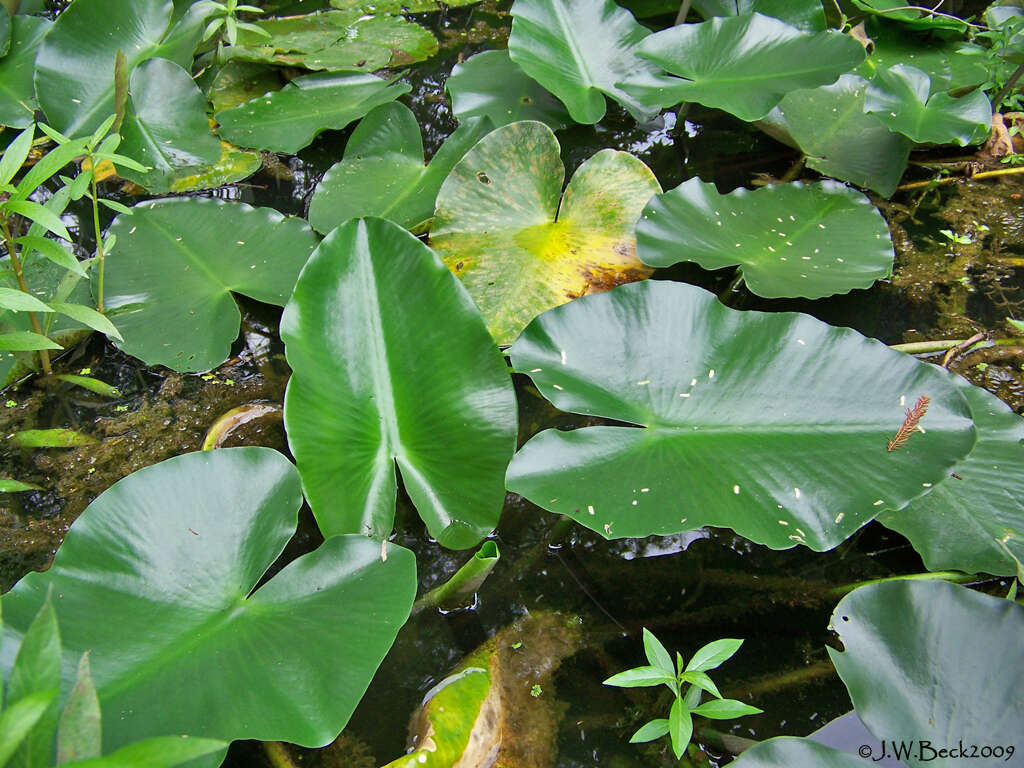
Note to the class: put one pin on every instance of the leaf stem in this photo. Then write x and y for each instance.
(997, 100)
(684, 11)
(732, 289)
(277, 754)
(951, 179)
(922, 347)
(12, 253)
(99, 236)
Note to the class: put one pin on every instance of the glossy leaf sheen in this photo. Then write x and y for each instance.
(960, 524)
(810, 240)
(774, 425)
(500, 227)
(17, 89)
(194, 252)
(169, 556)
(830, 126)
(581, 51)
(899, 97)
(490, 84)
(793, 752)
(74, 75)
(371, 306)
(916, 651)
(384, 174)
(746, 64)
(807, 15)
(289, 119)
(165, 127)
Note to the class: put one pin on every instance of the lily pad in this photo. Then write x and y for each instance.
(913, 17)
(371, 305)
(17, 69)
(289, 119)
(829, 125)
(240, 81)
(74, 77)
(165, 126)
(794, 752)
(500, 227)
(170, 558)
(176, 264)
(941, 59)
(746, 64)
(807, 15)
(809, 240)
(774, 425)
(233, 165)
(974, 522)
(384, 174)
(491, 85)
(582, 51)
(901, 98)
(916, 651)
(347, 39)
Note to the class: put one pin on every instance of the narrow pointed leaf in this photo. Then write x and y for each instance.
(713, 655)
(36, 213)
(656, 654)
(19, 301)
(651, 731)
(14, 155)
(288, 120)
(80, 732)
(680, 728)
(18, 720)
(810, 240)
(725, 709)
(89, 317)
(702, 681)
(185, 631)
(371, 304)
(775, 425)
(25, 341)
(746, 64)
(36, 672)
(384, 174)
(159, 752)
(197, 252)
(50, 438)
(53, 251)
(640, 677)
(7, 485)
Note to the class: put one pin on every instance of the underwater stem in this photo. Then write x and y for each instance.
(278, 755)
(684, 11)
(922, 347)
(12, 254)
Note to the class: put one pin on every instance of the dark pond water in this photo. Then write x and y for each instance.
(689, 589)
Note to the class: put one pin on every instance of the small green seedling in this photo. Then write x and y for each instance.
(954, 237)
(688, 683)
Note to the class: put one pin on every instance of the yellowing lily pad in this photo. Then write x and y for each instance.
(500, 227)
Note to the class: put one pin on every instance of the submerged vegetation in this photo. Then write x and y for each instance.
(502, 313)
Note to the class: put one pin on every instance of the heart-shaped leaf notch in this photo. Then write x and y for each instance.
(772, 424)
(170, 558)
(808, 240)
(500, 227)
(195, 252)
(392, 365)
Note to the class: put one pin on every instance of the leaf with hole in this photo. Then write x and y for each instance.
(520, 246)
(746, 64)
(194, 252)
(188, 641)
(384, 174)
(809, 240)
(289, 119)
(774, 425)
(370, 306)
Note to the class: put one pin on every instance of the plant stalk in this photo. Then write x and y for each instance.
(997, 100)
(731, 289)
(951, 179)
(278, 755)
(12, 254)
(923, 347)
(684, 11)
(458, 591)
(99, 236)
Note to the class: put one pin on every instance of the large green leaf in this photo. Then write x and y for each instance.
(384, 174)
(794, 752)
(942, 59)
(165, 126)
(240, 81)
(582, 51)
(74, 76)
(500, 227)
(916, 653)
(774, 425)
(5, 31)
(790, 240)
(17, 68)
(829, 125)
(371, 306)
(974, 522)
(169, 281)
(289, 119)
(808, 15)
(353, 38)
(158, 578)
(746, 64)
(901, 98)
(491, 85)
(915, 17)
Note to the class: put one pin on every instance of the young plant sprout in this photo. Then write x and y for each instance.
(688, 683)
